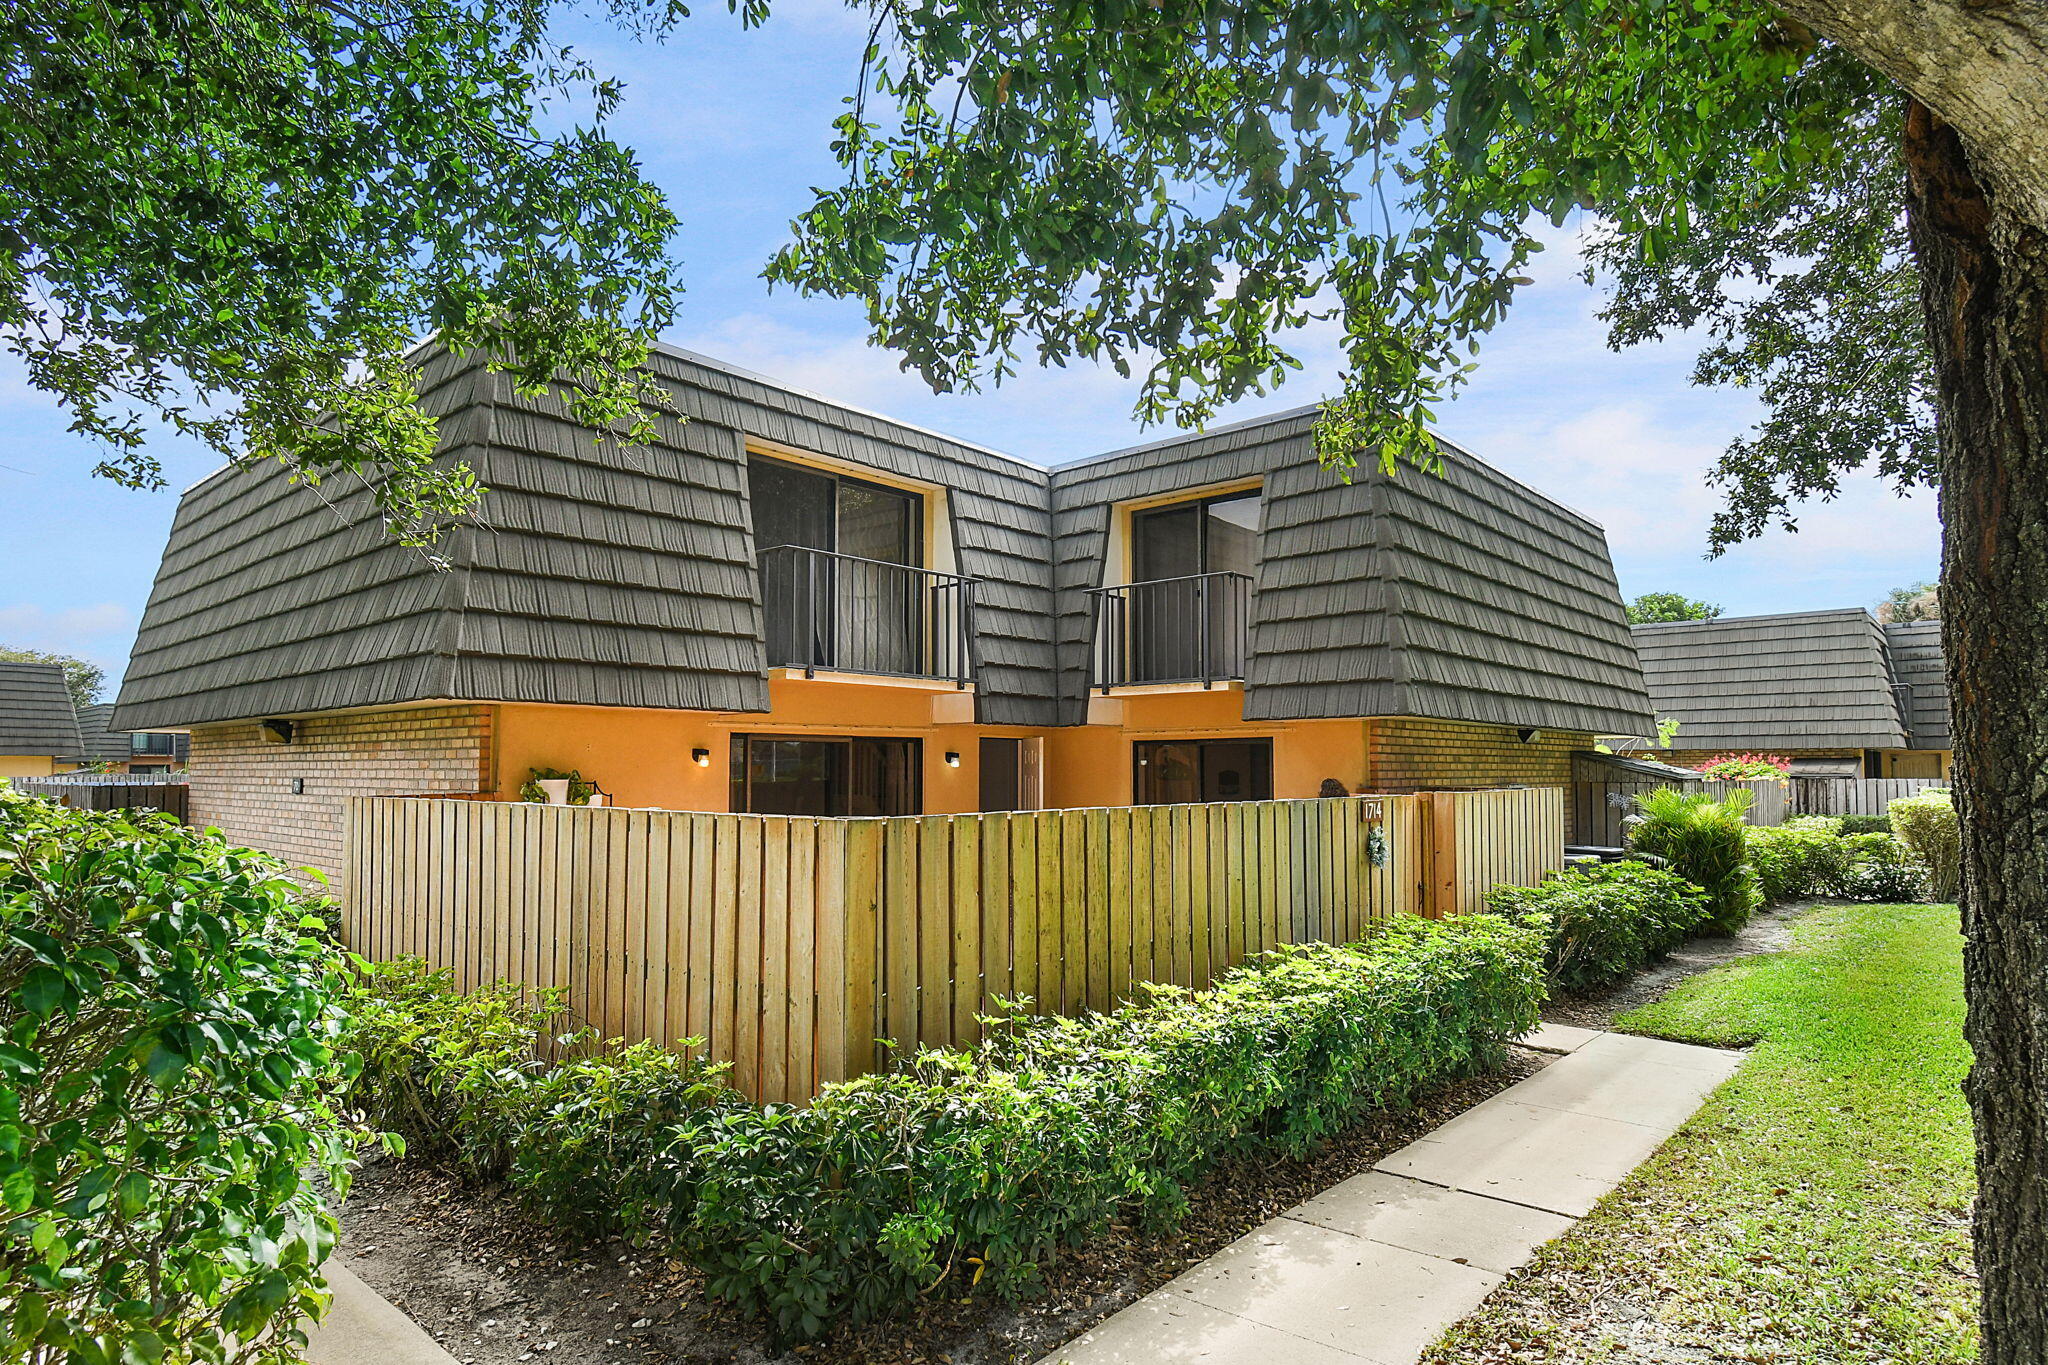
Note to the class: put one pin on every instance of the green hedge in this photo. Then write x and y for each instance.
(973, 1167)
(500, 1084)
(1606, 921)
(1813, 856)
(1865, 824)
(169, 1028)
(1800, 858)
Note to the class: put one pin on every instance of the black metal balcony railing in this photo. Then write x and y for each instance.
(843, 614)
(1172, 630)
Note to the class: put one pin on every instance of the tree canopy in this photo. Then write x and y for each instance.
(1653, 607)
(1185, 186)
(1914, 602)
(237, 219)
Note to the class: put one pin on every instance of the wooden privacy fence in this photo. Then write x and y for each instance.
(104, 795)
(1599, 808)
(1856, 795)
(791, 945)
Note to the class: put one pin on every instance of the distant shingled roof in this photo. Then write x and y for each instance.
(1798, 680)
(35, 713)
(1918, 666)
(104, 744)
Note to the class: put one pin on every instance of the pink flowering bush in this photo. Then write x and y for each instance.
(1741, 767)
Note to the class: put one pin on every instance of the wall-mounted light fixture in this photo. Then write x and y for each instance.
(1528, 736)
(298, 786)
(952, 758)
(701, 757)
(277, 731)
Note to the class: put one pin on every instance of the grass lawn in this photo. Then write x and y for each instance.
(1816, 1209)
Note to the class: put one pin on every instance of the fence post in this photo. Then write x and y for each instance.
(1439, 889)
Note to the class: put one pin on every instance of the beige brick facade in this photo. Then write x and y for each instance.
(243, 784)
(1411, 754)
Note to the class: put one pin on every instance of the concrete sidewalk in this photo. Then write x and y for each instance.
(1370, 1271)
(363, 1328)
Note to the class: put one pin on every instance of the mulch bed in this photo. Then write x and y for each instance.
(493, 1287)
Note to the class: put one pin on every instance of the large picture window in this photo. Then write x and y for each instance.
(1190, 771)
(803, 775)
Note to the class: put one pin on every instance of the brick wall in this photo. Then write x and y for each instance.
(244, 785)
(1406, 754)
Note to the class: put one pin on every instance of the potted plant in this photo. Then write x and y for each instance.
(548, 785)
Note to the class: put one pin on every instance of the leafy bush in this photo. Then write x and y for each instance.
(169, 1026)
(1745, 767)
(1800, 858)
(974, 1167)
(1865, 824)
(1880, 868)
(1703, 841)
(1607, 920)
(1926, 824)
(500, 1084)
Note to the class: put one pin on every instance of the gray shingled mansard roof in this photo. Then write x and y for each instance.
(1796, 680)
(35, 713)
(616, 577)
(1919, 669)
(104, 744)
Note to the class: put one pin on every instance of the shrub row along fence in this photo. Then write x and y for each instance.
(793, 945)
(1600, 808)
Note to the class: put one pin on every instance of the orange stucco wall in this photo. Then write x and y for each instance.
(642, 757)
(1090, 765)
(32, 765)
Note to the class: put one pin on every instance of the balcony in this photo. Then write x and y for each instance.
(834, 613)
(1172, 630)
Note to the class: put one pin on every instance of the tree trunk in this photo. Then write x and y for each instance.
(1984, 275)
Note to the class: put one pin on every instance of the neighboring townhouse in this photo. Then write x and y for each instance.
(787, 605)
(128, 751)
(1834, 691)
(38, 731)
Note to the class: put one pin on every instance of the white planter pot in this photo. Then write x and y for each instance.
(596, 799)
(555, 789)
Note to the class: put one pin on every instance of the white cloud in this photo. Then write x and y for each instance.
(101, 632)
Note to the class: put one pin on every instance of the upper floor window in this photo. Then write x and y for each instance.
(1206, 535)
(820, 510)
(1183, 615)
(843, 587)
(151, 744)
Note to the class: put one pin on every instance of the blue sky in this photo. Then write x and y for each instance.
(735, 126)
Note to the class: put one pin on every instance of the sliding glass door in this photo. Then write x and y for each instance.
(800, 775)
(858, 605)
(1191, 771)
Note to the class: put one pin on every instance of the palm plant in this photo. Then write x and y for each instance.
(1703, 841)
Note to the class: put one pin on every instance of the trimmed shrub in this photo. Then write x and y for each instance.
(1927, 825)
(1705, 842)
(498, 1083)
(169, 1027)
(1880, 868)
(1800, 858)
(973, 1167)
(1864, 824)
(1606, 921)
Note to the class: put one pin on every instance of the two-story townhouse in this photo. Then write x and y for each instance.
(788, 605)
(1835, 691)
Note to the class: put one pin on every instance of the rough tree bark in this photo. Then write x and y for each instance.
(1984, 273)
